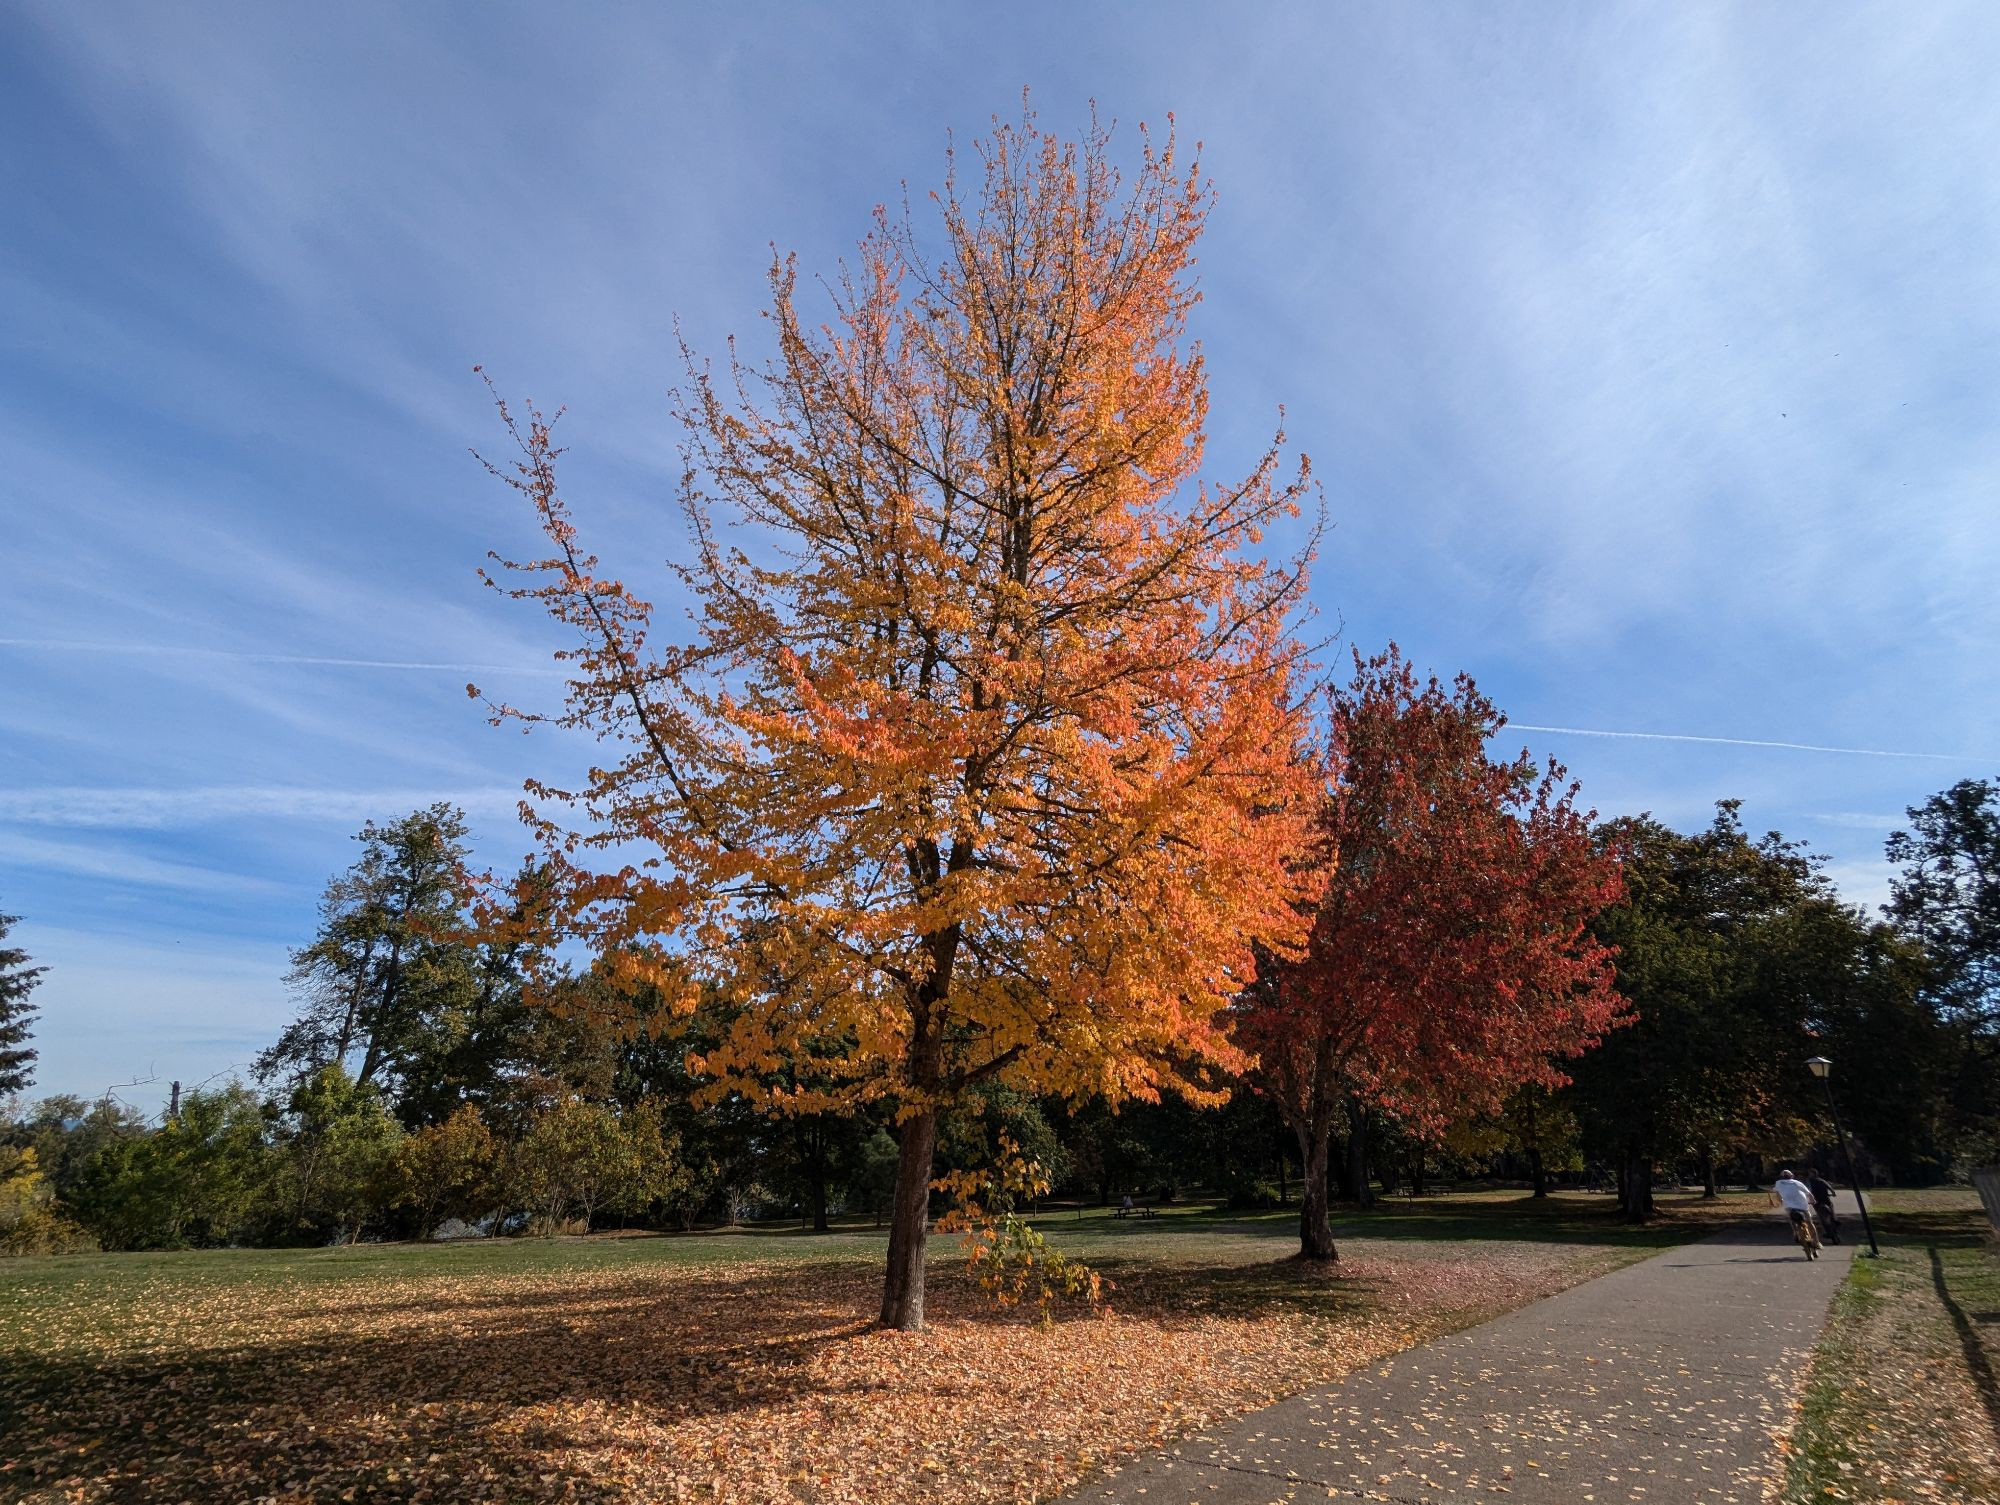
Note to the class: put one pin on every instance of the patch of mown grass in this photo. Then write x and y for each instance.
(89, 1297)
(1903, 1402)
(1202, 1231)
(650, 1367)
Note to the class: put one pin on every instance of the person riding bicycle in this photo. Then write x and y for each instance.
(1822, 1195)
(1791, 1191)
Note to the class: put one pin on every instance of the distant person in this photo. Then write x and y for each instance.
(1791, 1191)
(1822, 1195)
(1125, 1206)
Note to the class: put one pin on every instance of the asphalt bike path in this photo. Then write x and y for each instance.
(1664, 1383)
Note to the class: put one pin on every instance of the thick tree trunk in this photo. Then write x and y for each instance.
(1315, 1233)
(1708, 1187)
(1638, 1188)
(816, 1175)
(909, 1224)
(1355, 1183)
(1536, 1174)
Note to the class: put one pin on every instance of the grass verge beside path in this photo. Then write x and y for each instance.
(1903, 1403)
(732, 1366)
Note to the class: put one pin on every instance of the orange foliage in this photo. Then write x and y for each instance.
(981, 761)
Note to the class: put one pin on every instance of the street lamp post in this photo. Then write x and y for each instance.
(1823, 1069)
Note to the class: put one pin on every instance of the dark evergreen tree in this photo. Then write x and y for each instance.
(400, 987)
(17, 981)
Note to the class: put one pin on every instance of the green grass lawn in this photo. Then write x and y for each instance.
(613, 1367)
(1903, 1402)
(1189, 1233)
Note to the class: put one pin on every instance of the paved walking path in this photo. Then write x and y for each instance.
(1659, 1384)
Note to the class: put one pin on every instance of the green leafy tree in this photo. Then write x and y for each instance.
(1541, 1126)
(65, 1131)
(203, 1178)
(449, 1169)
(1947, 898)
(654, 1174)
(574, 1159)
(17, 981)
(873, 1177)
(341, 1156)
(1862, 988)
(1714, 1061)
(29, 1220)
(216, 1159)
(118, 1197)
(1948, 895)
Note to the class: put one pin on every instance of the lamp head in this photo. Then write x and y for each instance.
(1820, 1067)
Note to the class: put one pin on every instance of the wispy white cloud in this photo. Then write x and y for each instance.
(119, 865)
(245, 656)
(133, 809)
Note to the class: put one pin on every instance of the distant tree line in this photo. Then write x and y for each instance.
(418, 1092)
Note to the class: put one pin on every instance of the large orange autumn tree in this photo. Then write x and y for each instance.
(980, 760)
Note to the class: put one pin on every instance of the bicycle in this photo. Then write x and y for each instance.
(1805, 1234)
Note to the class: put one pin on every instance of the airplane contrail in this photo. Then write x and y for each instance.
(242, 656)
(1814, 747)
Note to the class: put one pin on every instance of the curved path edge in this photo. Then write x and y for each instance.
(1667, 1382)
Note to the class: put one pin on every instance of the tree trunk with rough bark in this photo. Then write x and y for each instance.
(1356, 1180)
(815, 1156)
(1536, 1174)
(1638, 1187)
(909, 1224)
(1315, 1233)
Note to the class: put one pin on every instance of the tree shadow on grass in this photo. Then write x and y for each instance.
(1556, 1220)
(519, 1389)
(512, 1390)
(1977, 1363)
(1171, 1294)
(1520, 1223)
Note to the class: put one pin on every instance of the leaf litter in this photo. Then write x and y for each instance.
(759, 1381)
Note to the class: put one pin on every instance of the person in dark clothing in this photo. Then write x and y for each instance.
(1822, 1195)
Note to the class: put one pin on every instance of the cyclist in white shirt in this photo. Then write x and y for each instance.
(1792, 1192)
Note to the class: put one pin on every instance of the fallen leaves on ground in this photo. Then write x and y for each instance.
(1903, 1404)
(751, 1382)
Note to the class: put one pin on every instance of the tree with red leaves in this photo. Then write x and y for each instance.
(1450, 961)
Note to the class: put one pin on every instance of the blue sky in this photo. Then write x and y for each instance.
(1647, 355)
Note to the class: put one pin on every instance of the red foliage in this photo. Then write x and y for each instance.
(1450, 962)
